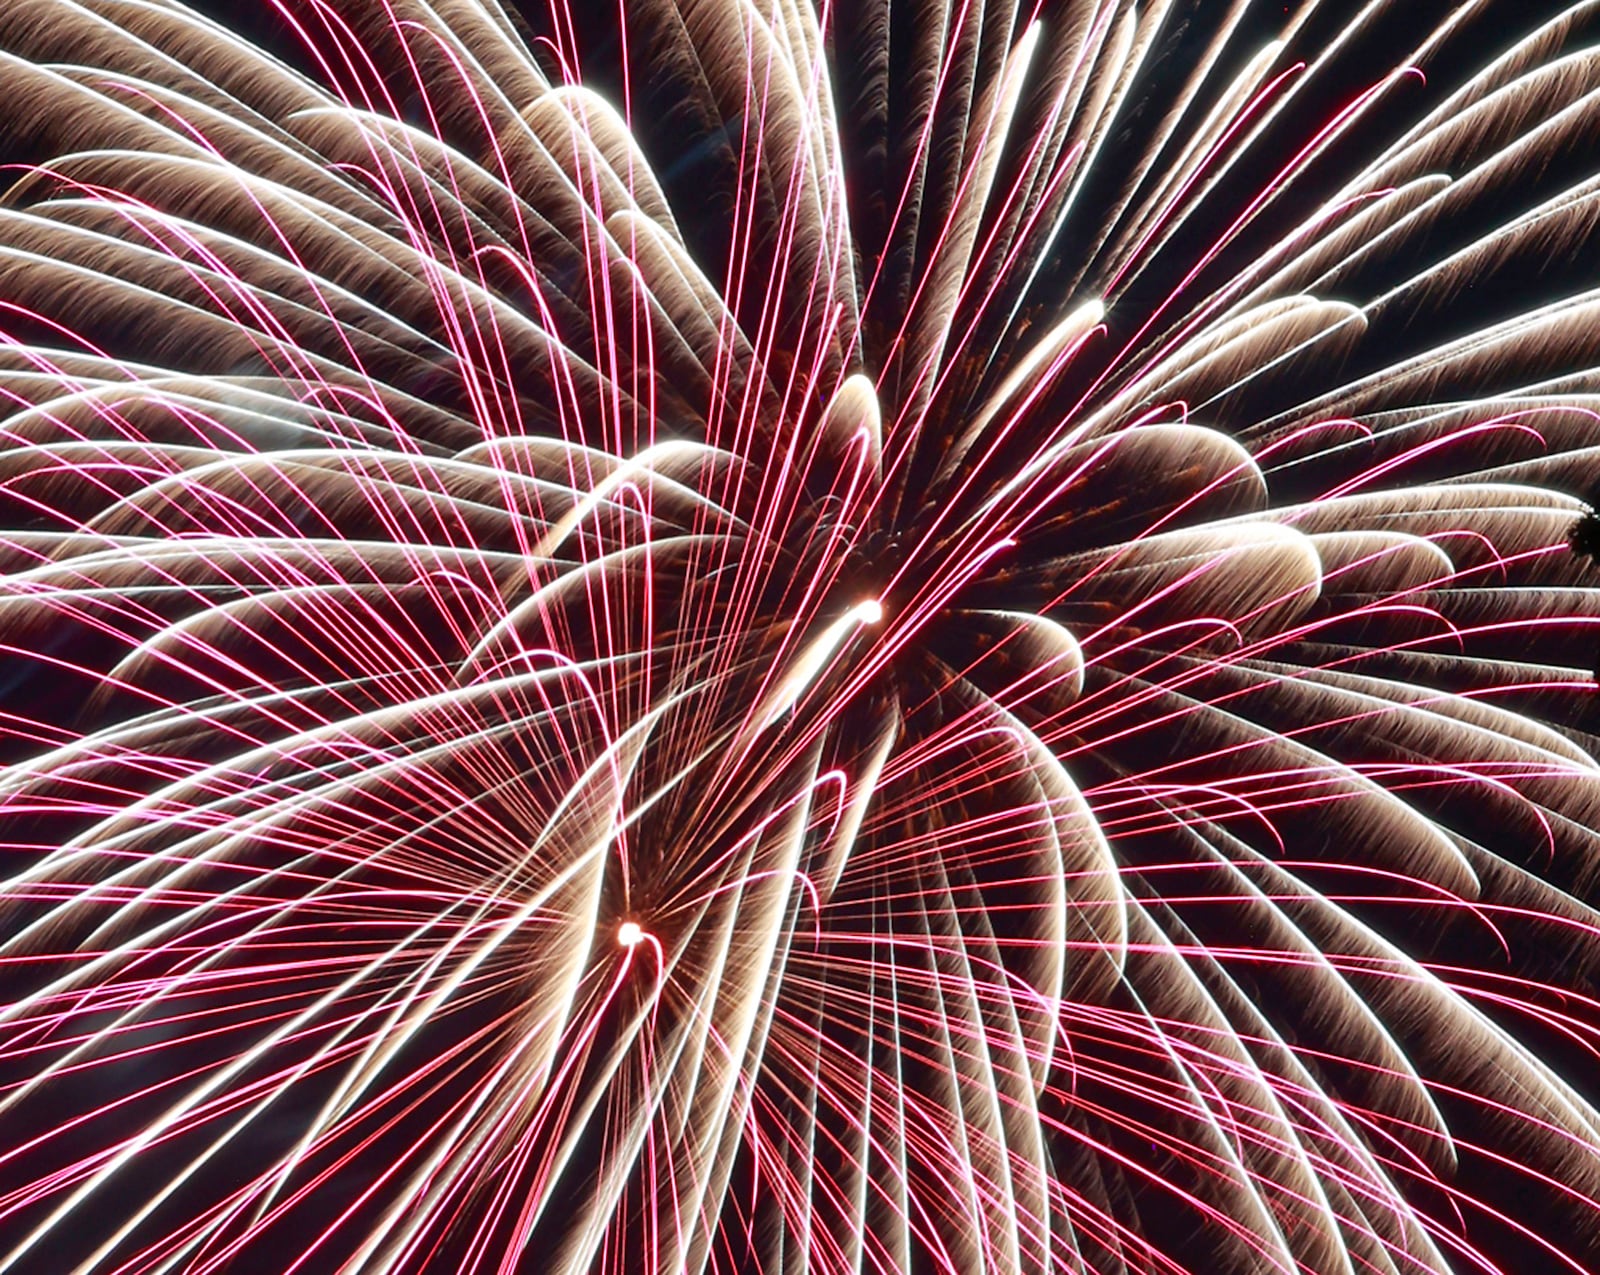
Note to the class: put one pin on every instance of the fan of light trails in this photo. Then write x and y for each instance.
(934, 637)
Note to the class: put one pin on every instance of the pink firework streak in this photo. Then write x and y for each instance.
(748, 636)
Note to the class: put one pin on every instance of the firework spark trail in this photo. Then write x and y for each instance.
(750, 636)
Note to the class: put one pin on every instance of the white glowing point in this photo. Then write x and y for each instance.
(868, 612)
(629, 934)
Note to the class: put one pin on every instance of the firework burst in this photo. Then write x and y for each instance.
(745, 636)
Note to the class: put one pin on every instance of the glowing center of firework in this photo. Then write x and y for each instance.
(629, 934)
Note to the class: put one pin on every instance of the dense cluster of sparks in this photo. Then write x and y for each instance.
(738, 635)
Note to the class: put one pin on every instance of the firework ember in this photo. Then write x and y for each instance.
(781, 635)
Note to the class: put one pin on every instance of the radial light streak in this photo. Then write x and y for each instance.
(746, 635)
